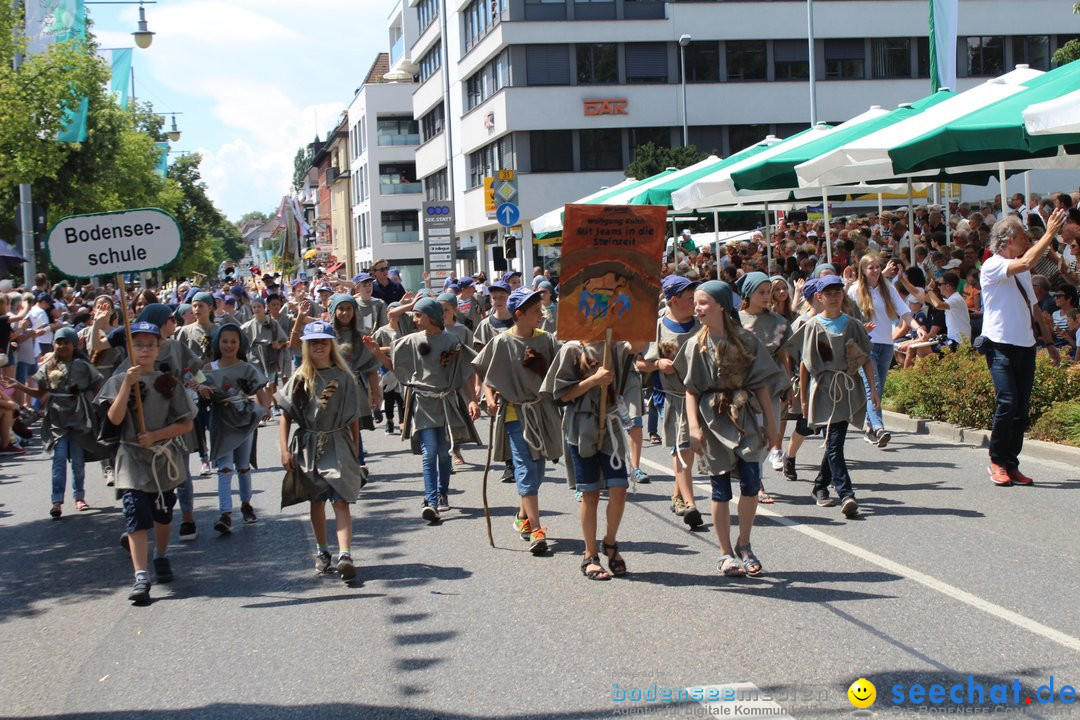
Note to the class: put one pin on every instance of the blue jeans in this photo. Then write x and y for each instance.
(881, 356)
(656, 407)
(240, 459)
(186, 492)
(833, 465)
(435, 462)
(1012, 368)
(749, 482)
(528, 473)
(67, 449)
(587, 471)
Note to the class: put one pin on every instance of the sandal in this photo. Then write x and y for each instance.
(751, 564)
(56, 511)
(764, 498)
(458, 460)
(81, 505)
(599, 574)
(730, 566)
(616, 564)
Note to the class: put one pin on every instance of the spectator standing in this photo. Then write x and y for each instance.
(385, 289)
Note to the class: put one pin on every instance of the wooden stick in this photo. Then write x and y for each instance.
(487, 471)
(131, 350)
(604, 390)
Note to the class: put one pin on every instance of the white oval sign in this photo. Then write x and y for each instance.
(111, 243)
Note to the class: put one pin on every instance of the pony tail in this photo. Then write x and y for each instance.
(702, 339)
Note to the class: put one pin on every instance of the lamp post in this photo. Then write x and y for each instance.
(684, 40)
(813, 78)
(143, 36)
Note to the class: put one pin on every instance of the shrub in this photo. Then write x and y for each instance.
(1060, 424)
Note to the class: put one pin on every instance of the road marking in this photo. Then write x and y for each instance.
(1002, 613)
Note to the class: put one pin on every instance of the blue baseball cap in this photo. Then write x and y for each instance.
(363, 278)
(319, 330)
(298, 281)
(519, 297)
(810, 288)
(828, 281)
(500, 285)
(145, 328)
(509, 274)
(674, 285)
(465, 282)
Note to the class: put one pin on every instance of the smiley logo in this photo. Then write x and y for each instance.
(862, 693)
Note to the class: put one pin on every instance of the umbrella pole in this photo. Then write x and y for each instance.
(768, 242)
(825, 210)
(1001, 179)
(910, 221)
(948, 227)
(1027, 190)
(880, 205)
(716, 234)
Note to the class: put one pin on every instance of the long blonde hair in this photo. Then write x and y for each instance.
(307, 371)
(862, 289)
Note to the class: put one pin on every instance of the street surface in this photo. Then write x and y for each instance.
(941, 576)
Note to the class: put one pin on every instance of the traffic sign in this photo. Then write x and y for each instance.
(438, 226)
(508, 214)
(114, 243)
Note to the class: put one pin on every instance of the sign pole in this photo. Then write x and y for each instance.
(603, 391)
(131, 350)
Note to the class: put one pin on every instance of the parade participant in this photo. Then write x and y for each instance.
(835, 347)
(104, 356)
(371, 310)
(148, 463)
(512, 278)
(772, 331)
(793, 409)
(266, 339)
(223, 310)
(393, 403)
(196, 337)
(436, 370)
(230, 383)
(731, 380)
(69, 382)
(498, 320)
(320, 458)
(550, 308)
(243, 311)
(677, 325)
(576, 380)
(357, 357)
(527, 421)
(449, 303)
(469, 311)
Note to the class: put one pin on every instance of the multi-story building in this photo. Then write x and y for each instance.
(386, 193)
(564, 91)
(338, 180)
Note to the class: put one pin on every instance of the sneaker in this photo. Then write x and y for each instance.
(822, 498)
(883, 437)
(277, 411)
(849, 507)
(187, 530)
(163, 570)
(20, 428)
(776, 459)
(390, 429)
(12, 450)
(654, 439)
(578, 495)
(522, 527)
(322, 562)
(377, 416)
(693, 518)
(1000, 475)
(430, 514)
(345, 567)
(443, 503)
(57, 511)
(789, 469)
(109, 481)
(508, 474)
(206, 470)
(640, 476)
(140, 592)
(870, 436)
(678, 506)
(1020, 478)
(224, 524)
(249, 513)
(538, 542)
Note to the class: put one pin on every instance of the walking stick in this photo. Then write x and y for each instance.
(131, 350)
(487, 471)
(603, 392)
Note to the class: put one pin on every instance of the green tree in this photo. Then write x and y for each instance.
(301, 165)
(253, 215)
(209, 238)
(651, 159)
(1071, 50)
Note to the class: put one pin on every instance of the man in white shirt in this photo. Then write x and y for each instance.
(1008, 340)
(957, 319)
(41, 321)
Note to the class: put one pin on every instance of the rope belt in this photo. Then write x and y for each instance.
(840, 383)
(173, 471)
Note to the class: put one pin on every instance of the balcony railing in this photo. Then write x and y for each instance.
(399, 139)
(400, 188)
(400, 236)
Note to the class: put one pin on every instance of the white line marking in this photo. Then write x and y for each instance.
(1026, 623)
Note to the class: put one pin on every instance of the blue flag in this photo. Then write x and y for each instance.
(53, 21)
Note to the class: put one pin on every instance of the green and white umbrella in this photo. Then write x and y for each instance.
(550, 223)
(1060, 115)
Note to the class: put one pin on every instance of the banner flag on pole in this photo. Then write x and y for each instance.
(119, 60)
(53, 21)
(944, 19)
(163, 159)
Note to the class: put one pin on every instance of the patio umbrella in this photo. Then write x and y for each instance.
(1060, 115)
(550, 223)
(660, 194)
(10, 258)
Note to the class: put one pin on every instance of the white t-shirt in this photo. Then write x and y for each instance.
(957, 320)
(883, 333)
(1006, 317)
(39, 317)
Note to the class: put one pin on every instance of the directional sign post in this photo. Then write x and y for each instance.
(439, 250)
(508, 214)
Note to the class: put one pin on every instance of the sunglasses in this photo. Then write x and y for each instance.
(382, 269)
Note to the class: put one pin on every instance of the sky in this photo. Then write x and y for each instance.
(253, 79)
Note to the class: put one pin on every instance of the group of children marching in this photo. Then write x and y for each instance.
(729, 368)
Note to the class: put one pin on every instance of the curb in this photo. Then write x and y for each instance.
(975, 437)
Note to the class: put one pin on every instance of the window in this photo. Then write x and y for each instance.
(741, 137)
(400, 226)
(658, 136)
(551, 151)
(890, 57)
(646, 63)
(707, 138)
(922, 57)
(398, 131)
(398, 179)
(1033, 50)
(431, 62)
(985, 55)
(545, 9)
(485, 161)
(436, 186)
(488, 80)
(601, 149)
(745, 59)
(426, 12)
(547, 64)
(359, 185)
(791, 61)
(597, 64)
(702, 61)
(431, 124)
(784, 130)
(845, 59)
(480, 17)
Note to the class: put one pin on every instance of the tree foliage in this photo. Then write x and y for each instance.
(651, 159)
(301, 165)
(253, 215)
(209, 238)
(1071, 50)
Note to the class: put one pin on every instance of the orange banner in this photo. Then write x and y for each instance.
(611, 271)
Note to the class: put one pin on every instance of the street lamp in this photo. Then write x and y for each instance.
(143, 36)
(684, 40)
(174, 132)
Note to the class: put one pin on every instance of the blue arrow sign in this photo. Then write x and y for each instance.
(508, 214)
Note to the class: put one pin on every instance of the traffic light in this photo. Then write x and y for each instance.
(510, 247)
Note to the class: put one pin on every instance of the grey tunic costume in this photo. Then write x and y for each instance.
(175, 357)
(71, 387)
(793, 346)
(243, 313)
(103, 356)
(516, 367)
(435, 385)
(234, 415)
(388, 381)
(197, 339)
(772, 331)
(285, 355)
(836, 390)
(322, 445)
(360, 360)
(667, 346)
(150, 470)
(372, 314)
(261, 353)
(488, 328)
(550, 323)
(724, 377)
(464, 334)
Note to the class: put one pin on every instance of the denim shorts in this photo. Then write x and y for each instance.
(749, 482)
(635, 422)
(592, 467)
(142, 511)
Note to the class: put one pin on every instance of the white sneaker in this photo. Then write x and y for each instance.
(776, 459)
(206, 471)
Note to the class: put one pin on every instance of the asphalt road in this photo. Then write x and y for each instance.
(941, 576)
